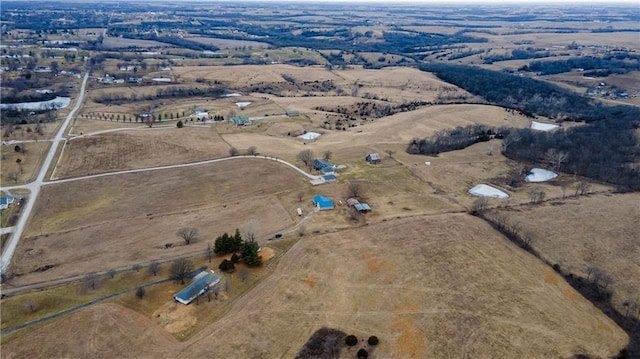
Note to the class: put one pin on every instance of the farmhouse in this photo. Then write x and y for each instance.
(200, 284)
(319, 164)
(373, 158)
(201, 113)
(322, 202)
(6, 201)
(241, 120)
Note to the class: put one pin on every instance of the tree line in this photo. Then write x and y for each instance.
(612, 64)
(604, 150)
(166, 92)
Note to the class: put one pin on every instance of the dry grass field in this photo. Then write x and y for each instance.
(138, 149)
(596, 230)
(226, 43)
(427, 286)
(27, 169)
(102, 223)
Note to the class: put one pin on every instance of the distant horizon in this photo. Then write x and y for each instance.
(388, 2)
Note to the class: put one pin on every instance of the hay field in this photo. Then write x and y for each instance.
(598, 230)
(138, 149)
(102, 223)
(100, 331)
(394, 280)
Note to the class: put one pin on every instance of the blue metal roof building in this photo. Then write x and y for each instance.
(319, 164)
(322, 202)
(200, 284)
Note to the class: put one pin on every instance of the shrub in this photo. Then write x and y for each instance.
(363, 354)
(351, 340)
(180, 124)
(140, 292)
(227, 266)
(373, 340)
(235, 258)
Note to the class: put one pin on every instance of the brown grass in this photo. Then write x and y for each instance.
(487, 305)
(31, 161)
(128, 219)
(136, 149)
(597, 230)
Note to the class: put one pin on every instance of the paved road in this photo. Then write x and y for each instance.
(5, 230)
(34, 187)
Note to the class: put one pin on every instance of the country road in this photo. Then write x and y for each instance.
(34, 186)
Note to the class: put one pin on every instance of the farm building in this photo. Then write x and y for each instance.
(329, 178)
(292, 113)
(241, 120)
(373, 158)
(329, 170)
(199, 285)
(201, 113)
(319, 164)
(323, 202)
(360, 207)
(6, 201)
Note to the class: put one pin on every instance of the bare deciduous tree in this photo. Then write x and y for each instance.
(90, 281)
(306, 156)
(136, 267)
(390, 152)
(582, 187)
(30, 306)
(13, 176)
(556, 158)
(302, 231)
(209, 252)
(536, 195)
(479, 206)
(154, 267)
(243, 274)
(233, 151)
(180, 268)
(250, 231)
(327, 155)
(355, 189)
(252, 151)
(111, 273)
(300, 196)
(188, 234)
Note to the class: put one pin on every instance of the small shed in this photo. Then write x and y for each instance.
(200, 284)
(292, 113)
(373, 158)
(241, 120)
(352, 202)
(362, 207)
(323, 202)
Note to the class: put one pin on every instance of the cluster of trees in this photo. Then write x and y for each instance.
(604, 150)
(455, 139)
(612, 64)
(165, 92)
(518, 54)
(326, 343)
(363, 110)
(249, 249)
